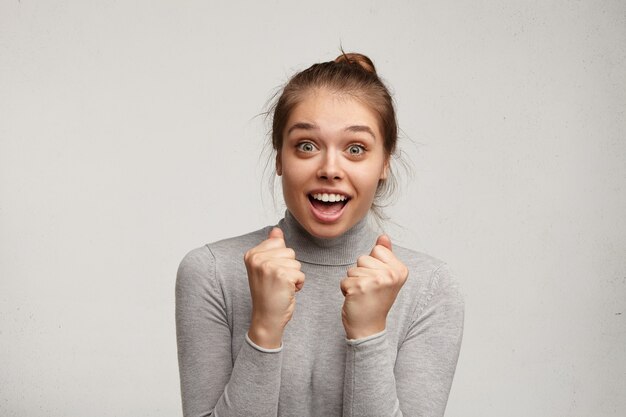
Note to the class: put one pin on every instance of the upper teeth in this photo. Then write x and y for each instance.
(329, 197)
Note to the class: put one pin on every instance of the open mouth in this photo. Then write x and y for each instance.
(328, 206)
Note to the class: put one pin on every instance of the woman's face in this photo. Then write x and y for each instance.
(331, 161)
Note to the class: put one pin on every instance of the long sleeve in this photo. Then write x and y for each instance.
(419, 381)
(369, 385)
(211, 384)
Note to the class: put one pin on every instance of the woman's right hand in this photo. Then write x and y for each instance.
(274, 277)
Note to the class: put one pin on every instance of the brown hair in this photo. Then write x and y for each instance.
(353, 74)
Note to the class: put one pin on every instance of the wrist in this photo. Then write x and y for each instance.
(367, 340)
(360, 332)
(267, 337)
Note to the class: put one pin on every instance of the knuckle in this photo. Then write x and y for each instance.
(346, 287)
(383, 281)
(281, 274)
(385, 274)
(266, 267)
(404, 272)
(253, 256)
(400, 274)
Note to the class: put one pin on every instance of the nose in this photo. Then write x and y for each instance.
(330, 167)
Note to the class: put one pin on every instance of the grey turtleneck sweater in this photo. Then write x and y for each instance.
(406, 370)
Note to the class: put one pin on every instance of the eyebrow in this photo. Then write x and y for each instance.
(311, 126)
(303, 126)
(359, 128)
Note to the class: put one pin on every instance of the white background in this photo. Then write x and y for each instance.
(128, 136)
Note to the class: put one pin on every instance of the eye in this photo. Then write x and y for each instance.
(305, 147)
(356, 150)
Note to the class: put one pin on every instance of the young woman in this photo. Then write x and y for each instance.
(320, 315)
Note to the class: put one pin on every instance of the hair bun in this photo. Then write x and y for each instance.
(354, 58)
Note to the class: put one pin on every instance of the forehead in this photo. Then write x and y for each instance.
(333, 111)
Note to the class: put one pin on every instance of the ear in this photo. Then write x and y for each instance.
(385, 171)
(279, 164)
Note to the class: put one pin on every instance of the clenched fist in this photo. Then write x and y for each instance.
(274, 277)
(370, 290)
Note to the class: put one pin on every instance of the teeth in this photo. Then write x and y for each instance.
(329, 197)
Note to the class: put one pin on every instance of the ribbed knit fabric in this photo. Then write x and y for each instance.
(340, 251)
(406, 370)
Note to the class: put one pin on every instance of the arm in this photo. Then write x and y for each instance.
(211, 385)
(419, 382)
(428, 355)
(370, 385)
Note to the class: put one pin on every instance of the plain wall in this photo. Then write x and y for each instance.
(129, 135)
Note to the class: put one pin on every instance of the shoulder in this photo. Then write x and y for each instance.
(418, 262)
(429, 278)
(237, 246)
(208, 253)
(202, 262)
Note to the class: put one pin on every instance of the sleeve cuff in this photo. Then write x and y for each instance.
(356, 342)
(262, 349)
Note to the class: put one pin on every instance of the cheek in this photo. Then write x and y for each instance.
(292, 179)
(296, 171)
(368, 180)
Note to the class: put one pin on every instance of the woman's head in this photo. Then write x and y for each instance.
(352, 74)
(334, 132)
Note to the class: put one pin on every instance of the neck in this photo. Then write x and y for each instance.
(337, 251)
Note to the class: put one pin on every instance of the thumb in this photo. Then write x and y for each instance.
(276, 233)
(383, 240)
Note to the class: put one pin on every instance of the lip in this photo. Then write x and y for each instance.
(327, 217)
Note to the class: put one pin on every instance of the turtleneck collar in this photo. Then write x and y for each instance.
(338, 251)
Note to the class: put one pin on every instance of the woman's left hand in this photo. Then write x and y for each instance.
(370, 290)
